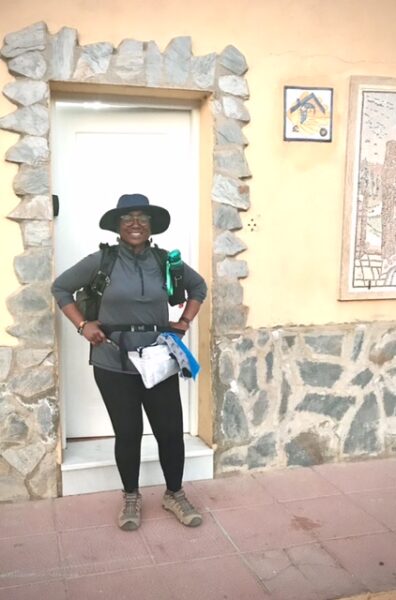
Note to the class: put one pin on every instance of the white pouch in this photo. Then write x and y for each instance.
(154, 363)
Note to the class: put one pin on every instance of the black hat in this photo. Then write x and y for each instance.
(160, 218)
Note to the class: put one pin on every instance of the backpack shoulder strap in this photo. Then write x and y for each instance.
(160, 256)
(107, 261)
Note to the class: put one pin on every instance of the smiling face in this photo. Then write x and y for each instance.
(135, 229)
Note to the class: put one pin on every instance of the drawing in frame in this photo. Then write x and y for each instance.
(368, 263)
(308, 114)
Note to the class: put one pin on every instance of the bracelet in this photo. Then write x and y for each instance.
(185, 319)
(81, 326)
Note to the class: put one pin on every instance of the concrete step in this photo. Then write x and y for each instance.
(89, 465)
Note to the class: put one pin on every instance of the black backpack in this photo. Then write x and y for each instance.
(88, 299)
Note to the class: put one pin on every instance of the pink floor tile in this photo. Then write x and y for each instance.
(29, 559)
(334, 516)
(169, 541)
(324, 573)
(143, 583)
(26, 518)
(357, 476)
(231, 492)
(51, 590)
(87, 510)
(102, 549)
(213, 579)
(262, 528)
(371, 558)
(282, 579)
(381, 504)
(294, 484)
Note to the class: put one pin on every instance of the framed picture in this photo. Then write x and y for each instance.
(308, 114)
(368, 264)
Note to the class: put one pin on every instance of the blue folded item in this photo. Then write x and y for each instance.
(189, 366)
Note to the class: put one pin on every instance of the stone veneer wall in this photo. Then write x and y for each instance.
(305, 395)
(29, 408)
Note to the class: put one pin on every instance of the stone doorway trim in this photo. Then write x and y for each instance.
(38, 60)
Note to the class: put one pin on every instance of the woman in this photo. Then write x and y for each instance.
(136, 295)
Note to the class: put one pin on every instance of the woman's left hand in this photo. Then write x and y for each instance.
(181, 325)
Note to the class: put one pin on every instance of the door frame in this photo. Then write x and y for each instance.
(176, 104)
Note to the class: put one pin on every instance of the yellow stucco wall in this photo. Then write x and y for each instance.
(297, 188)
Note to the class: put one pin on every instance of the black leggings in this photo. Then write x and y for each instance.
(124, 395)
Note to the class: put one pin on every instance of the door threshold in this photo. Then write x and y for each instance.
(89, 465)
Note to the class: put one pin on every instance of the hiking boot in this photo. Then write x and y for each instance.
(129, 517)
(177, 503)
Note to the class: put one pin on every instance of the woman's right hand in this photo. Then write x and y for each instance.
(93, 333)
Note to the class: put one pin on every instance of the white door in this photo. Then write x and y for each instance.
(100, 152)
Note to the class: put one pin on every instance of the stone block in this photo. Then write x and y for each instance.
(30, 149)
(38, 329)
(363, 378)
(325, 344)
(228, 244)
(31, 120)
(25, 459)
(269, 361)
(234, 108)
(319, 374)
(382, 353)
(244, 345)
(47, 419)
(231, 161)
(262, 452)
(285, 395)
(30, 65)
(327, 404)
(38, 208)
(389, 403)
(34, 381)
(30, 299)
(226, 217)
(233, 60)
(233, 459)
(262, 337)
(234, 85)
(30, 357)
(26, 92)
(233, 420)
(363, 435)
(305, 450)
(62, 54)
(33, 37)
(248, 374)
(229, 131)
(358, 344)
(230, 190)
(43, 482)
(5, 362)
(230, 267)
(228, 292)
(226, 368)
(203, 71)
(153, 65)
(177, 60)
(12, 488)
(260, 408)
(31, 180)
(13, 429)
(33, 265)
(129, 61)
(94, 60)
(36, 234)
(230, 318)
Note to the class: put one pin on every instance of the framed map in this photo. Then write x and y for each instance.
(308, 114)
(368, 266)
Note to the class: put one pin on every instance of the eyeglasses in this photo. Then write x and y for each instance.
(140, 219)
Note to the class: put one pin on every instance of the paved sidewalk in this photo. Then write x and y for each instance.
(299, 534)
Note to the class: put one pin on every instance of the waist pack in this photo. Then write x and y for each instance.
(155, 363)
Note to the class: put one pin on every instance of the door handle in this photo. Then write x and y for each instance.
(55, 205)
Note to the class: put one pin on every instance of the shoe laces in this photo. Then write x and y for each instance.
(132, 503)
(185, 505)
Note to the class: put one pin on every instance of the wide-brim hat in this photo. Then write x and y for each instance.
(160, 218)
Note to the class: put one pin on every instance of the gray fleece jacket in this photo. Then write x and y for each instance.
(136, 295)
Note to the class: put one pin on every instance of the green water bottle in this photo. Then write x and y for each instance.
(173, 264)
